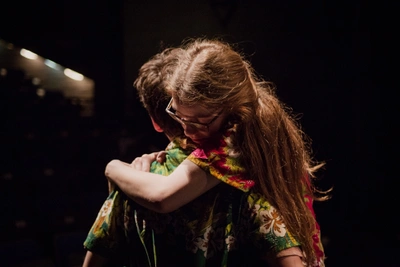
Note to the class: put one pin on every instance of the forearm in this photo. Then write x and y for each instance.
(94, 260)
(289, 261)
(134, 183)
(157, 192)
(290, 257)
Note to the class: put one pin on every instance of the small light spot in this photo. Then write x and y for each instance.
(3, 72)
(48, 172)
(40, 92)
(21, 224)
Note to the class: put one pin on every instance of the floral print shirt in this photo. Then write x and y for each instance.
(222, 161)
(228, 225)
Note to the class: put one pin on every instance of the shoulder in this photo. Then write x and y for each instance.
(174, 157)
(222, 161)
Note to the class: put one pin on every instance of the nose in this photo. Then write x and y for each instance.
(188, 130)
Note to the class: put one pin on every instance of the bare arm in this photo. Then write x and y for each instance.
(289, 261)
(94, 260)
(157, 192)
(290, 257)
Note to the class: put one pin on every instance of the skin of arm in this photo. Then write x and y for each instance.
(160, 193)
(94, 260)
(290, 257)
(289, 261)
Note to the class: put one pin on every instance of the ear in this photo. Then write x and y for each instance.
(156, 126)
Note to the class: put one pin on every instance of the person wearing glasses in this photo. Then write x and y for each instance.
(246, 138)
(114, 239)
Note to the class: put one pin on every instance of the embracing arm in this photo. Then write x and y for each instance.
(290, 257)
(94, 260)
(157, 192)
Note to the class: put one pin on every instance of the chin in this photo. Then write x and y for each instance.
(198, 141)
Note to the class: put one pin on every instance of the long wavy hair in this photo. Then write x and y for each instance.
(211, 73)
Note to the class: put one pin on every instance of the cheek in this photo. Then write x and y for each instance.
(203, 135)
(217, 125)
(213, 130)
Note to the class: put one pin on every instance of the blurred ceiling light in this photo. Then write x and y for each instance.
(3, 72)
(40, 92)
(51, 64)
(73, 75)
(28, 54)
(35, 81)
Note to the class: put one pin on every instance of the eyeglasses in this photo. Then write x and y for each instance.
(197, 125)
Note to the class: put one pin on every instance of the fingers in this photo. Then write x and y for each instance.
(143, 163)
(161, 156)
(140, 165)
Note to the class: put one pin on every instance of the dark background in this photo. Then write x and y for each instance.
(318, 53)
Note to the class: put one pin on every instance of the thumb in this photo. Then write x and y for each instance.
(161, 156)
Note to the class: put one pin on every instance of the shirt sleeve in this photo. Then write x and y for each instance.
(268, 230)
(106, 234)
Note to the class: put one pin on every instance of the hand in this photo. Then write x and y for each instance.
(143, 163)
(161, 156)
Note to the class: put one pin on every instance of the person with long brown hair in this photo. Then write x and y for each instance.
(270, 142)
(246, 138)
(113, 238)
